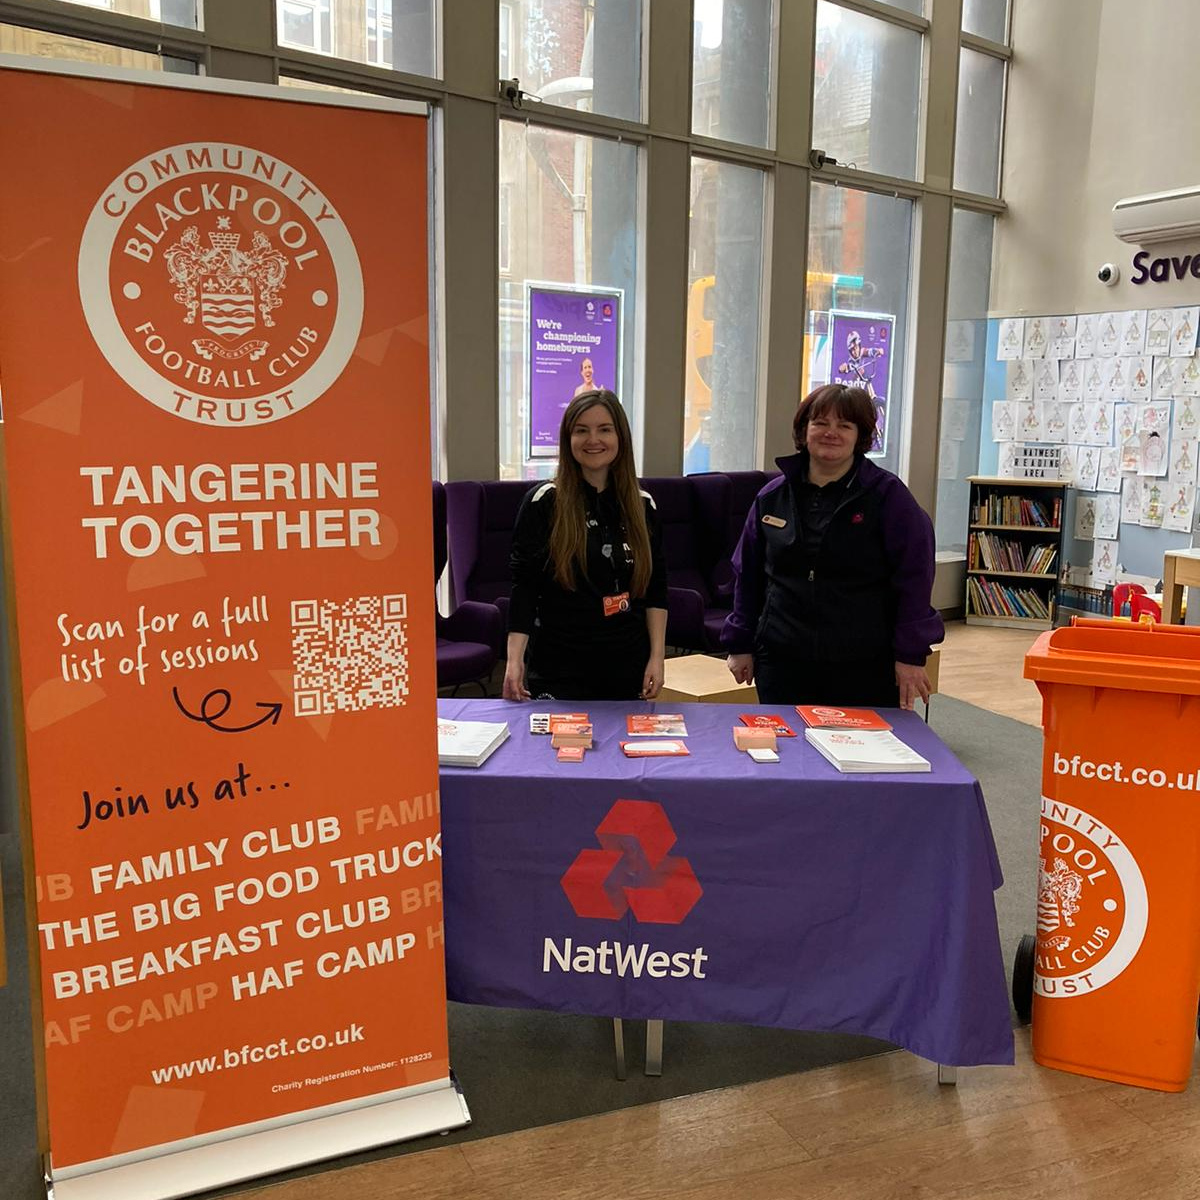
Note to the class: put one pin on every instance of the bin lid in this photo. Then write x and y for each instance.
(1139, 658)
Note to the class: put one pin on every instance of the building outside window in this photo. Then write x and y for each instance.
(725, 270)
(733, 69)
(859, 271)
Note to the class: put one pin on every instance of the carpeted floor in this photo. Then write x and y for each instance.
(521, 1069)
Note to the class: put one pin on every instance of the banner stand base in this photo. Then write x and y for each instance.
(248, 1156)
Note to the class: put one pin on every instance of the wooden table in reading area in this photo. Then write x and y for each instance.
(703, 679)
(1181, 569)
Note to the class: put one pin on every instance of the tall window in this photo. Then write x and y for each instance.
(725, 258)
(398, 34)
(733, 69)
(584, 54)
(962, 385)
(859, 265)
(306, 25)
(980, 114)
(568, 288)
(379, 32)
(866, 91)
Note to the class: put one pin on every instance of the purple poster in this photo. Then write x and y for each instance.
(860, 347)
(574, 346)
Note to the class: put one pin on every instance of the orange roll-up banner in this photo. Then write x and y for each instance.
(214, 359)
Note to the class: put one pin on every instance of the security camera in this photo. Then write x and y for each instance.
(1109, 274)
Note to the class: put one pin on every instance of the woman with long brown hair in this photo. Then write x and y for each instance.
(588, 614)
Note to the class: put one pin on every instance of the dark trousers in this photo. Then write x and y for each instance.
(783, 680)
(585, 687)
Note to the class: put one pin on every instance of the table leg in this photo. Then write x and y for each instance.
(1172, 593)
(947, 1075)
(654, 1047)
(619, 1045)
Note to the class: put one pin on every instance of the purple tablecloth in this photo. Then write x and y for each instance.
(783, 894)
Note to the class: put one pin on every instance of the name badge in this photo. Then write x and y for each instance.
(775, 522)
(616, 604)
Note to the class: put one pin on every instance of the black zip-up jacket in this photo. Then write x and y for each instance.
(568, 631)
(861, 591)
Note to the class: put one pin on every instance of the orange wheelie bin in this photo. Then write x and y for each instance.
(1116, 975)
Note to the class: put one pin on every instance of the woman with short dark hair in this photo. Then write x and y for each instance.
(588, 613)
(834, 571)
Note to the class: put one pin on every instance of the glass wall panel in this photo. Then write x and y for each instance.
(963, 380)
(725, 258)
(732, 69)
(859, 264)
(986, 19)
(866, 91)
(980, 115)
(576, 53)
(15, 39)
(170, 12)
(569, 206)
(397, 34)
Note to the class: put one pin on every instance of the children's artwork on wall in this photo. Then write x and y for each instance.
(1183, 332)
(1158, 330)
(1181, 506)
(1085, 517)
(1036, 338)
(1131, 453)
(1185, 420)
(1082, 417)
(1020, 380)
(1187, 377)
(1007, 460)
(1029, 420)
(1062, 337)
(1152, 459)
(1011, 344)
(1087, 467)
(1133, 332)
(1066, 464)
(1154, 417)
(1085, 335)
(1138, 374)
(1104, 561)
(1183, 460)
(960, 341)
(1108, 478)
(1116, 382)
(1045, 379)
(1108, 515)
(1162, 386)
(1094, 379)
(1070, 380)
(1056, 415)
(1126, 418)
(1108, 335)
(1100, 423)
(955, 416)
(1153, 506)
(1131, 501)
(1004, 420)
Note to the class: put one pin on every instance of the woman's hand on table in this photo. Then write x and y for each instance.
(514, 687)
(912, 682)
(652, 680)
(741, 667)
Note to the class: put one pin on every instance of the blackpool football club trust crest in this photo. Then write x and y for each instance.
(220, 284)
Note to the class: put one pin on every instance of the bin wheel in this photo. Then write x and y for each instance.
(1022, 977)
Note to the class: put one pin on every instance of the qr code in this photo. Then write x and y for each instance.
(349, 655)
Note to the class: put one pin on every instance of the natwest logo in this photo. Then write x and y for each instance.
(633, 871)
(220, 284)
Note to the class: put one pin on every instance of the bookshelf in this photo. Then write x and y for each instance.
(1014, 552)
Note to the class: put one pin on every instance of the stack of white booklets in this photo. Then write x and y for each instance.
(468, 743)
(866, 750)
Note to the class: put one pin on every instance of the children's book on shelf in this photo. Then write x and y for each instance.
(767, 721)
(659, 748)
(656, 725)
(469, 743)
(824, 716)
(870, 751)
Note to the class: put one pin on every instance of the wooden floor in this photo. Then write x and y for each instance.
(876, 1128)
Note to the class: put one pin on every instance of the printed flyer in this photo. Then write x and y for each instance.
(861, 347)
(213, 341)
(574, 346)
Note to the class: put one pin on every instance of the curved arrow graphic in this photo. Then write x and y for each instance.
(217, 703)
